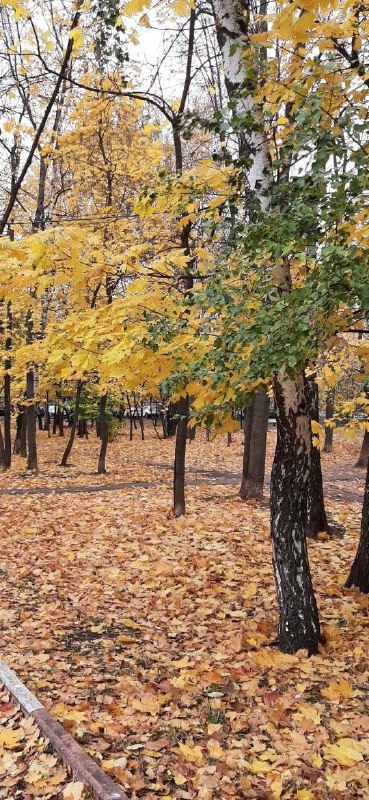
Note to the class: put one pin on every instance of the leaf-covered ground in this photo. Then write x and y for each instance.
(29, 767)
(152, 639)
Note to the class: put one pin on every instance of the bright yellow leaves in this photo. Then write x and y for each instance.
(192, 754)
(260, 767)
(318, 434)
(10, 738)
(346, 752)
(178, 7)
(19, 10)
(135, 6)
(149, 704)
(306, 711)
(77, 37)
(338, 690)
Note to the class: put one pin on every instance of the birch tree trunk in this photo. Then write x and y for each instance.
(299, 622)
(232, 22)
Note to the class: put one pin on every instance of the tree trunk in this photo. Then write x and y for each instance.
(180, 457)
(61, 420)
(18, 424)
(363, 459)
(254, 453)
(359, 573)
(82, 428)
(30, 396)
(299, 622)
(31, 422)
(329, 411)
(101, 468)
(47, 416)
(317, 518)
(7, 392)
(73, 429)
(172, 418)
(23, 436)
(2, 450)
(55, 418)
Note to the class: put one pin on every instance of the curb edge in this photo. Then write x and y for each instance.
(71, 753)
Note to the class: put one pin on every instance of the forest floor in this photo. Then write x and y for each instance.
(152, 639)
(29, 767)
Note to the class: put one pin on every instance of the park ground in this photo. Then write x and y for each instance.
(152, 639)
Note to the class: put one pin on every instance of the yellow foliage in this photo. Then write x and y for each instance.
(192, 754)
(345, 752)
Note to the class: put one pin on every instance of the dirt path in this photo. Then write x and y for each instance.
(332, 483)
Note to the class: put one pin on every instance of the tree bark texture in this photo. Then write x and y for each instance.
(254, 453)
(359, 573)
(31, 407)
(180, 457)
(7, 392)
(172, 418)
(47, 415)
(73, 429)
(104, 435)
(299, 622)
(317, 518)
(82, 428)
(20, 441)
(61, 420)
(363, 459)
(31, 422)
(2, 449)
(329, 411)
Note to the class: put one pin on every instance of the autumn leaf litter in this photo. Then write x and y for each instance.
(153, 639)
(29, 767)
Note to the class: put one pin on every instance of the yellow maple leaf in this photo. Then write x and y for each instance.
(135, 6)
(307, 711)
(20, 12)
(338, 690)
(215, 750)
(77, 37)
(73, 791)
(10, 738)
(345, 752)
(179, 779)
(183, 662)
(275, 784)
(259, 767)
(193, 754)
(304, 794)
(148, 705)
